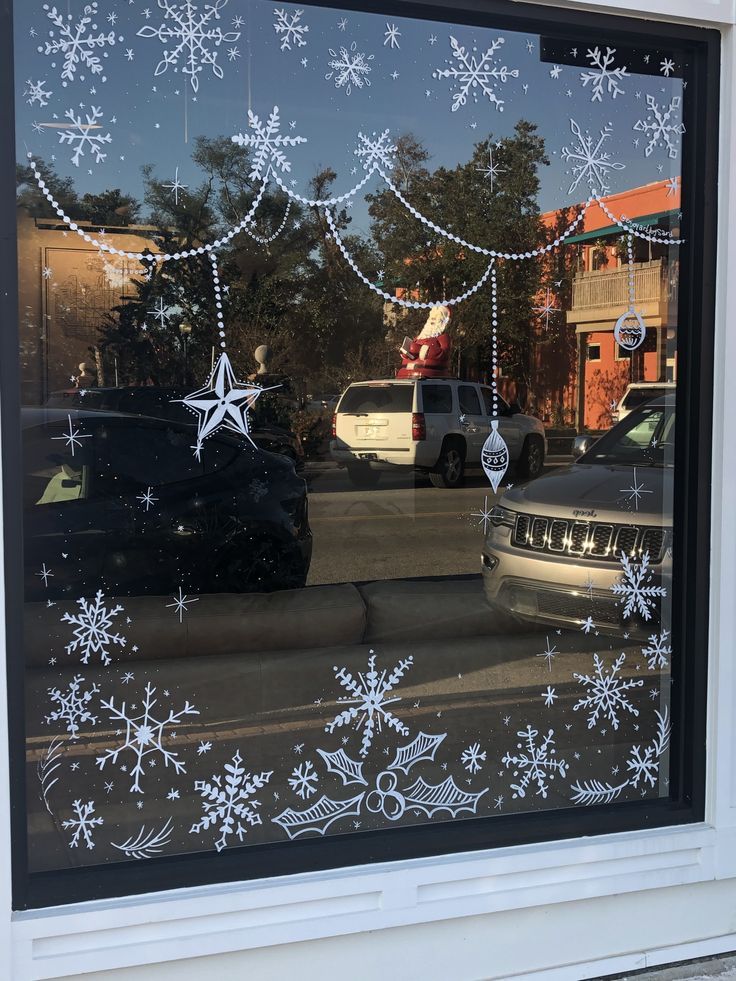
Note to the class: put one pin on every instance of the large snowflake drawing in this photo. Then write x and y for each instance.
(589, 162)
(93, 629)
(475, 75)
(227, 801)
(144, 735)
(349, 68)
(82, 134)
(376, 151)
(602, 75)
(368, 695)
(303, 780)
(659, 650)
(267, 143)
(190, 37)
(77, 42)
(83, 823)
(536, 763)
(659, 126)
(636, 592)
(72, 706)
(290, 29)
(35, 92)
(607, 693)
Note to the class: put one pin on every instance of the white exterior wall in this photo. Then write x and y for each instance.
(565, 910)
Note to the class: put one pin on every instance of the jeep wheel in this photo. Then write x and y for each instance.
(450, 469)
(361, 475)
(531, 461)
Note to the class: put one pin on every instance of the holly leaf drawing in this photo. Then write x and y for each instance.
(445, 796)
(341, 764)
(422, 748)
(318, 817)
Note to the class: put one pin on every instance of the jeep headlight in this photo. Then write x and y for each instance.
(502, 516)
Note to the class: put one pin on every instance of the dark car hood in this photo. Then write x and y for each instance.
(596, 492)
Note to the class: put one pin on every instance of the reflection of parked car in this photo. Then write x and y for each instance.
(161, 403)
(637, 393)
(119, 503)
(555, 548)
(434, 425)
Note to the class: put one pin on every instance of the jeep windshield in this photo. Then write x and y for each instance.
(645, 438)
(381, 397)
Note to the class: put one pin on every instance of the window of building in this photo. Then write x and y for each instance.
(293, 586)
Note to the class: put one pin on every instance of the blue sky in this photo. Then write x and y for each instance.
(153, 115)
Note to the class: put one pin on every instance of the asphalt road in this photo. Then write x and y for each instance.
(397, 530)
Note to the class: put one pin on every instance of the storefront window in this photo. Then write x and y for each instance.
(312, 306)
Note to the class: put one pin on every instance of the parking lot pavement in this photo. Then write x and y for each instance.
(399, 529)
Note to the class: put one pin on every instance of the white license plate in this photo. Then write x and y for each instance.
(369, 432)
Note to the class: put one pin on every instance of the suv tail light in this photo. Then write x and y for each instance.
(418, 426)
(334, 425)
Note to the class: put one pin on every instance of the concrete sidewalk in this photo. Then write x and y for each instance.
(705, 969)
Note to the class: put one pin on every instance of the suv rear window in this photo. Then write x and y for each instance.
(638, 396)
(372, 398)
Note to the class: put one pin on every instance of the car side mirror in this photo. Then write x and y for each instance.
(581, 444)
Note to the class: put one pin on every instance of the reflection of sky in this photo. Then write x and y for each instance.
(153, 114)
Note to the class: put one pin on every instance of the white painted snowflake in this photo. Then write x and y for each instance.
(83, 134)
(659, 650)
(190, 37)
(602, 75)
(667, 67)
(392, 35)
(290, 29)
(227, 801)
(635, 491)
(93, 629)
(475, 75)
(589, 162)
(36, 93)
(368, 695)
(83, 823)
(660, 127)
(472, 758)
(72, 706)
(547, 308)
(636, 592)
(349, 68)
(376, 151)
(607, 694)
(144, 735)
(536, 763)
(267, 143)
(304, 780)
(77, 46)
(643, 765)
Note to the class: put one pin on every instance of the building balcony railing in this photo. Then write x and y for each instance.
(610, 288)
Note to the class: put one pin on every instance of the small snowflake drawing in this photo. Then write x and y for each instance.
(349, 68)
(475, 75)
(607, 694)
(659, 650)
(290, 29)
(76, 45)
(659, 126)
(303, 780)
(267, 143)
(549, 696)
(72, 705)
(392, 35)
(80, 135)
(144, 735)
(635, 491)
(589, 162)
(186, 35)
(36, 93)
(368, 697)
(83, 823)
(549, 653)
(537, 764)
(204, 747)
(472, 758)
(636, 592)
(603, 77)
(147, 498)
(93, 629)
(228, 803)
(375, 151)
(667, 67)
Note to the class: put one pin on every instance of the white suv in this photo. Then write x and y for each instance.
(636, 394)
(437, 426)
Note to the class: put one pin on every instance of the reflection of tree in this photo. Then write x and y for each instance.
(603, 388)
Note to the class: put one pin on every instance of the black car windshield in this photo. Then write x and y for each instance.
(644, 438)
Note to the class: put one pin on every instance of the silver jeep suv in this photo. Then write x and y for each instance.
(589, 545)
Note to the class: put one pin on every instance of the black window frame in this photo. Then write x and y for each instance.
(691, 572)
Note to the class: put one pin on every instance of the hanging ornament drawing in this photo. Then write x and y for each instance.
(630, 329)
(223, 402)
(495, 453)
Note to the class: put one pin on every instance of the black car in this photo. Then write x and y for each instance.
(120, 503)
